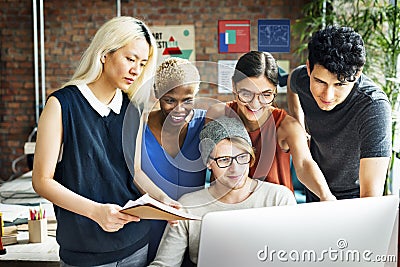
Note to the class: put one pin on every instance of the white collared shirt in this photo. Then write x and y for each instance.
(102, 109)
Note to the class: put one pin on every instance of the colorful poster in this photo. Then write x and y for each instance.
(175, 41)
(233, 36)
(274, 35)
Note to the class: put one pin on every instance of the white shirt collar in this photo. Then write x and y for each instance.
(103, 110)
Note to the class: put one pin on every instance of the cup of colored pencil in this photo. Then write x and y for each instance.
(37, 225)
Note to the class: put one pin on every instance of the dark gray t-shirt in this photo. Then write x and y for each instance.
(360, 127)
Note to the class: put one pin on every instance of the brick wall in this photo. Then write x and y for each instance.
(69, 27)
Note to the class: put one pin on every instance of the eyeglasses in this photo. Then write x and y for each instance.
(226, 161)
(247, 96)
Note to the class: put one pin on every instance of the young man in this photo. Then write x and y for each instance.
(347, 115)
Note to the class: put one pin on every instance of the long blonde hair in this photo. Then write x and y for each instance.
(113, 35)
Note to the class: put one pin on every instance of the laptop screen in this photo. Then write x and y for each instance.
(351, 232)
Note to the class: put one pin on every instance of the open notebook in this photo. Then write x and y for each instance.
(147, 207)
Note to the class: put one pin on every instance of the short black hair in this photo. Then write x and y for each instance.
(256, 64)
(338, 49)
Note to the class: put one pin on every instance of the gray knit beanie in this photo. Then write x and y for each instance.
(217, 130)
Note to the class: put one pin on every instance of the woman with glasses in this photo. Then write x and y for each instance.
(254, 85)
(227, 151)
(170, 150)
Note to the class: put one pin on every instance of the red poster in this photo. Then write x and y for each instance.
(233, 36)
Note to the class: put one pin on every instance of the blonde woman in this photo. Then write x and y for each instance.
(79, 160)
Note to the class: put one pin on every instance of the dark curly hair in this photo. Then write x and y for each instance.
(255, 64)
(338, 49)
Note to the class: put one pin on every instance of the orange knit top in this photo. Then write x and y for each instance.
(272, 163)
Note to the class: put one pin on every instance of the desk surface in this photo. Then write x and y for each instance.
(18, 195)
(20, 191)
(32, 252)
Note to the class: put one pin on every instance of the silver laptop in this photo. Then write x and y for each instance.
(352, 232)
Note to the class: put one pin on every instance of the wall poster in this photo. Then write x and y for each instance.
(233, 36)
(175, 41)
(226, 68)
(274, 35)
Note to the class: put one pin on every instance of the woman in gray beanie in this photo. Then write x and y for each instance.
(227, 151)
